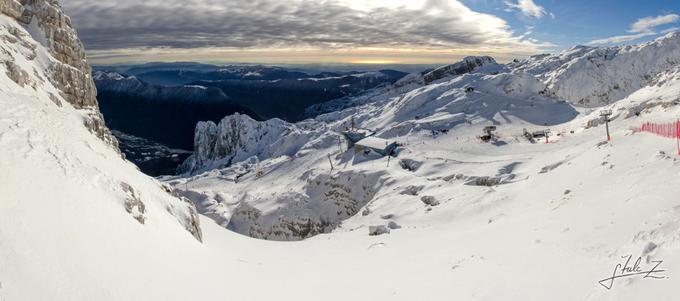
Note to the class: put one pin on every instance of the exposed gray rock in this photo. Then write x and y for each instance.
(483, 181)
(17, 74)
(412, 190)
(11, 8)
(95, 123)
(455, 177)
(238, 137)
(393, 225)
(490, 181)
(410, 165)
(649, 248)
(55, 100)
(467, 65)
(133, 203)
(647, 106)
(192, 222)
(378, 230)
(71, 73)
(325, 203)
(429, 200)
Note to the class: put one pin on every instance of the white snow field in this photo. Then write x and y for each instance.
(506, 220)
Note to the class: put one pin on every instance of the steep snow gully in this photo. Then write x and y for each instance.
(502, 187)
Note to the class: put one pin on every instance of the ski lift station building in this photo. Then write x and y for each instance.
(354, 136)
(378, 145)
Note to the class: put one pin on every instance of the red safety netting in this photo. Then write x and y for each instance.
(668, 130)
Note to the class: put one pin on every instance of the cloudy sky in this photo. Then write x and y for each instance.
(357, 31)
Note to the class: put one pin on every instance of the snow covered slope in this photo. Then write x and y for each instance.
(237, 154)
(457, 211)
(592, 77)
(460, 219)
(69, 201)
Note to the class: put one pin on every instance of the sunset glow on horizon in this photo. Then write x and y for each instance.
(347, 31)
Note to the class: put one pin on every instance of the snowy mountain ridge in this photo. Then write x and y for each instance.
(569, 200)
(113, 82)
(593, 77)
(513, 96)
(239, 137)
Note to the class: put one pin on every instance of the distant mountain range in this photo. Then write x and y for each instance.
(287, 98)
(164, 101)
(308, 69)
(166, 115)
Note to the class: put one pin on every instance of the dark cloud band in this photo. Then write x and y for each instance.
(104, 25)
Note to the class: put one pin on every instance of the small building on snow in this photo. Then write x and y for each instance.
(378, 145)
(354, 136)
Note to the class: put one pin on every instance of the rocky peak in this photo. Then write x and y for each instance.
(238, 137)
(71, 73)
(467, 65)
(235, 138)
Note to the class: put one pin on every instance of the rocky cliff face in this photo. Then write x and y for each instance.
(238, 137)
(48, 113)
(70, 72)
(467, 65)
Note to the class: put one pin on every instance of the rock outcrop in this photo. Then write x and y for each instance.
(42, 68)
(70, 72)
(11, 8)
(467, 65)
(238, 137)
(320, 207)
